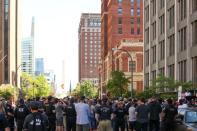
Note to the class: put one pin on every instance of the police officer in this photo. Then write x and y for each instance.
(20, 113)
(120, 113)
(169, 113)
(35, 121)
(50, 112)
(10, 114)
(103, 115)
(70, 113)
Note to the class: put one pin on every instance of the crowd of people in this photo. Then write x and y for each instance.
(82, 114)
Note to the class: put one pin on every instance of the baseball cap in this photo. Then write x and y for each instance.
(34, 105)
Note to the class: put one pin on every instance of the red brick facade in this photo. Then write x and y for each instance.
(119, 20)
(121, 60)
(89, 47)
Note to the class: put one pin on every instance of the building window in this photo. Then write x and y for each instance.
(154, 51)
(147, 35)
(119, 1)
(162, 49)
(194, 70)
(138, 31)
(162, 24)
(119, 20)
(132, 2)
(132, 20)
(194, 33)
(183, 71)
(120, 30)
(162, 71)
(132, 12)
(146, 80)
(182, 39)
(132, 30)
(171, 45)
(171, 17)
(138, 20)
(138, 2)
(119, 11)
(147, 57)
(132, 66)
(194, 5)
(154, 30)
(154, 7)
(138, 11)
(162, 4)
(182, 9)
(147, 13)
(154, 75)
(171, 71)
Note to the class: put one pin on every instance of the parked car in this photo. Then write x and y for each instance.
(188, 119)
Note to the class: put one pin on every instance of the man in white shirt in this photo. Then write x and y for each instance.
(83, 114)
(132, 117)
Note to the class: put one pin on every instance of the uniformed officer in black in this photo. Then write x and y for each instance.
(103, 115)
(70, 116)
(120, 113)
(170, 112)
(49, 109)
(20, 113)
(10, 114)
(35, 121)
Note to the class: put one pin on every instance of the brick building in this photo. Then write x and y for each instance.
(120, 19)
(124, 63)
(89, 47)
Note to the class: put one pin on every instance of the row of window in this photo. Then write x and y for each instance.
(137, 32)
(91, 54)
(132, 20)
(95, 46)
(132, 2)
(132, 11)
(182, 70)
(182, 35)
(91, 42)
(93, 34)
(182, 8)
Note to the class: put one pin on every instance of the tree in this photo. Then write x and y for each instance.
(86, 89)
(165, 87)
(7, 91)
(118, 84)
(35, 86)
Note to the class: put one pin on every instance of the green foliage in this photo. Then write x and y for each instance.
(7, 91)
(118, 84)
(86, 89)
(165, 87)
(35, 86)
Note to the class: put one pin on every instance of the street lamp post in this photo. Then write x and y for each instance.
(113, 49)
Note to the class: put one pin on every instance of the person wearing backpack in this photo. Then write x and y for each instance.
(20, 113)
(35, 121)
(3, 120)
(49, 109)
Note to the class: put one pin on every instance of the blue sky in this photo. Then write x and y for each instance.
(56, 32)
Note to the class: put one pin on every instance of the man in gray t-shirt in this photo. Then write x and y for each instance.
(142, 112)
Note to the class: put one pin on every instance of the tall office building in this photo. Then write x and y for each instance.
(39, 70)
(10, 42)
(28, 52)
(89, 47)
(170, 39)
(120, 19)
